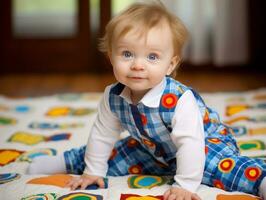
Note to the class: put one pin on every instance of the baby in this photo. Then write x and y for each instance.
(171, 130)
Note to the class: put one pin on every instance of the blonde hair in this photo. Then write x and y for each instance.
(144, 16)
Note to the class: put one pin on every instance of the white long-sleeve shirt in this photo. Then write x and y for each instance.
(187, 134)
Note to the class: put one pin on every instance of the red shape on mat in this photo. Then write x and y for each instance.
(135, 196)
(234, 197)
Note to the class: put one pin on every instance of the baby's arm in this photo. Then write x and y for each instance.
(104, 133)
(188, 136)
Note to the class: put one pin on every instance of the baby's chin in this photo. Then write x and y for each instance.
(139, 87)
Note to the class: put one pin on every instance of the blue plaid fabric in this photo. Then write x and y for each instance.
(150, 150)
(130, 157)
(226, 169)
(153, 136)
(74, 159)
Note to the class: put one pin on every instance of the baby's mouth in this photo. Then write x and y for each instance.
(136, 77)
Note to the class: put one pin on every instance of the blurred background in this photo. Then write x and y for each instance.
(49, 46)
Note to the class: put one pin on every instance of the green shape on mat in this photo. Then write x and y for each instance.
(7, 121)
(44, 196)
(251, 145)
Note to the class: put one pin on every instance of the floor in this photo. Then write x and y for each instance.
(21, 85)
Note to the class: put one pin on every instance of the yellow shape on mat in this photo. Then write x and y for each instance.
(26, 138)
(58, 111)
(233, 109)
(59, 180)
(237, 119)
(7, 156)
(234, 197)
(258, 131)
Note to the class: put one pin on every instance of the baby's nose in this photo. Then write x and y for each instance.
(138, 65)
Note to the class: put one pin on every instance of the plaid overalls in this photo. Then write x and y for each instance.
(150, 150)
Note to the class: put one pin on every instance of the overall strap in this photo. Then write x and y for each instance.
(172, 92)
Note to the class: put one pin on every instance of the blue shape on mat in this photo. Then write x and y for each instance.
(239, 130)
(43, 125)
(22, 108)
(147, 181)
(58, 137)
(4, 178)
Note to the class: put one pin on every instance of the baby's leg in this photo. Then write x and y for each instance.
(226, 169)
(47, 165)
(74, 160)
(122, 160)
(71, 161)
(262, 189)
(130, 157)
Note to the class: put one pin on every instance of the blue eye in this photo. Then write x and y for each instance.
(153, 57)
(127, 54)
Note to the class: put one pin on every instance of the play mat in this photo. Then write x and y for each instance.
(32, 127)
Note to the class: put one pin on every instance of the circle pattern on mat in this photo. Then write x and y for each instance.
(47, 196)
(4, 178)
(145, 181)
(28, 156)
(80, 196)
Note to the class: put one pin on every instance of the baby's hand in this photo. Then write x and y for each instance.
(84, 180)
(176, 193)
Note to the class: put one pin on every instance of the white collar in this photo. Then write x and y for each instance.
(151, 98)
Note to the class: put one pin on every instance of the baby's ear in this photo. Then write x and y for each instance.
(109, 56)
(174, 62)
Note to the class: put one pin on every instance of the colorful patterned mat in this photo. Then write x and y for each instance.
(46, 126)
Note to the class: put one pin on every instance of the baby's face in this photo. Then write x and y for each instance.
(142, 61)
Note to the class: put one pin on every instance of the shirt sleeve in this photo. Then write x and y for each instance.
(188, 136)
(103, 135)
